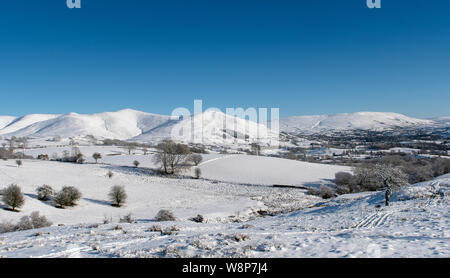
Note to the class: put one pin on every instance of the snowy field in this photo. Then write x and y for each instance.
(231, 168)
(245, 216)
(354, 225)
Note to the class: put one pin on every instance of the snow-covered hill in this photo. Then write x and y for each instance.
(211, 127)
(350, 121)
(123, 124)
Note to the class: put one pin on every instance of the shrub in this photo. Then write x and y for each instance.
(7, 227)
(34, 221)
(107, 220)
(127, 219)
(19, 163)
(155, 228)
(343, 178)
(313, 191)
(45, 192)
(39, 221)
(326, 192)
(198, 219)
(117, 195)
(13, 197)
(165, 215)
(136, 163)
(43, 157)
(110, 174)
(67, 197)
(198, 173)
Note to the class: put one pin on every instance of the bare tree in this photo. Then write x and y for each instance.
(392, 177)
(196, 159)
(130, 147)
(97, 156)
(171, 156)
(198, 173)
(255, 148)
(23, 143)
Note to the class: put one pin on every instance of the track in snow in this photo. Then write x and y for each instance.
(376, 219)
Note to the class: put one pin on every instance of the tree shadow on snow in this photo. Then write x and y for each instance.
(98, 202)
(34, 196)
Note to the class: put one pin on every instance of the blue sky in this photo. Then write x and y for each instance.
(304, 57)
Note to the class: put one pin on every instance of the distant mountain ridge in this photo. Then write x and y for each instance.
(376, 121)
(135, 125)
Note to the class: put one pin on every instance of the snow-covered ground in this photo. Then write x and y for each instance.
(245, 216)
(355, 225)
(268, 170)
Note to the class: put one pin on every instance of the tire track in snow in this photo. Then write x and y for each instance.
(374, 220)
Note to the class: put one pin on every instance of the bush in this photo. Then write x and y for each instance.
(39, 221)
(43, 157)
(34, 221)
(136, 163)
(19, 163)
(198, 219)
(326, 192)
(127, 219)
(7, 227)
(165, 215)
(110, 174)
(117, 195)
(13, 197)
(343, 178)
(45, 192)
(67, 197)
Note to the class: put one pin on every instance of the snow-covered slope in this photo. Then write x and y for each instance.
(5, 120)
(211, 127)
(261, 170)
(350, 121)
(25, 121)
(123, 124)
(416, 224)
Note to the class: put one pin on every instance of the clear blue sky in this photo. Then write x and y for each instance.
(305, 57)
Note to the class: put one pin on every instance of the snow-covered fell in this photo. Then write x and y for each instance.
(210, 127)
(123, 124)
(350, 121)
